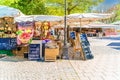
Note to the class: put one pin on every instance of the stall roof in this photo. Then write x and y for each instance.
(100, 25)
(9, 11)
(47, 18)
(24, 18)
(89, 15)
(40, 18)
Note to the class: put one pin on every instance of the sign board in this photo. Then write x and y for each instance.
(34, 52)
(86, 46)
(8, 43)
(72, 35)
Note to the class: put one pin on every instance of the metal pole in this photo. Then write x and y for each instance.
(65, 47)
(65, 24)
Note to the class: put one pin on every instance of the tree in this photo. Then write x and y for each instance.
(116, 10)
(30, 6)
(7, 2)
(72, 5)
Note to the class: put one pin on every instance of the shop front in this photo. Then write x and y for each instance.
(36, 40)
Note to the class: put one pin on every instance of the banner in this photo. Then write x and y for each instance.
(8, 43)
(25, 32)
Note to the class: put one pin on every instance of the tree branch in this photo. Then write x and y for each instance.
(73, 6)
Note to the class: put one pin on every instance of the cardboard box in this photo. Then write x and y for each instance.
(50, 54)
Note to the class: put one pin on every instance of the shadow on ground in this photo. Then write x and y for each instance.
(115, 45)
(109, 38)
(12, 59)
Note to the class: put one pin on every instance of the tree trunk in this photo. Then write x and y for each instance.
(68, 11)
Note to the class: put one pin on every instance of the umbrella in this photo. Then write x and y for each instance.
(9, 11)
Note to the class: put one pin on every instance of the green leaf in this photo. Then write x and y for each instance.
(19, 32)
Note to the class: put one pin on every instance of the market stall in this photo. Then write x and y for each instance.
(35, 38)
(25, 31)
(8, 29)
(45, 32)
(7, 35)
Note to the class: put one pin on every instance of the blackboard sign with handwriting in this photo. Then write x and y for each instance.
(34, 52)
(86, 46)
(72, 35)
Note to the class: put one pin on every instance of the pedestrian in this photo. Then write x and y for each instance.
(97, 33)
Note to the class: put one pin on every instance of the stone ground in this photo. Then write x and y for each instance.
(104, 66)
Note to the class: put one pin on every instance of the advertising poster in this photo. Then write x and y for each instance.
(25, 32)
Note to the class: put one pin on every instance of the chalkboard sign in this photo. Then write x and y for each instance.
(86, 46)
(34, 52)
(8, 43)
(84, 39)
(72, 35)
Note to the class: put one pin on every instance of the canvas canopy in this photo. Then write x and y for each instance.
(9, 11)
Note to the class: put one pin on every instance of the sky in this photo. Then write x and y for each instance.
(107, 4)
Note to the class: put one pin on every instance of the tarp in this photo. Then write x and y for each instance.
(47, 18)
(100, 25)
(9, 11)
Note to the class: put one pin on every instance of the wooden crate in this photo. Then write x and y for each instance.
(50, 54)
(21, 52)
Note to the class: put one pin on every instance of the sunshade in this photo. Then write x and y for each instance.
(9, 11)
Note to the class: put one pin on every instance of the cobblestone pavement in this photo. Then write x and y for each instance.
(104, 66)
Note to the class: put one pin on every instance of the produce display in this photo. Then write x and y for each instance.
(7, 27)
(42, 30)
(37, 30)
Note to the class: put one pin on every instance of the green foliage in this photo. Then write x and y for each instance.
(27, 6)
(30, 6)
(118, 12)
(7, 2)
(73, 6)
(50, 7)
